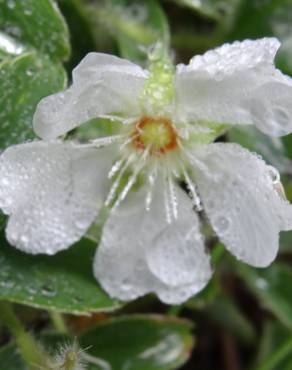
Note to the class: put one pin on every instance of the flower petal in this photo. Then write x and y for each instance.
(141, 253)
(52, 192)
(102, 85)
(237, 84)
(242, 201)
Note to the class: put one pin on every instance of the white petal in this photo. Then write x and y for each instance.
(102, 85)
(242, 202)
(52, 192)
(141, 253)
(237, 84)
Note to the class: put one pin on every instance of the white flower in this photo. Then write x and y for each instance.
(151, 242)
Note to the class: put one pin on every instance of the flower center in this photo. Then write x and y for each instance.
(157, 134)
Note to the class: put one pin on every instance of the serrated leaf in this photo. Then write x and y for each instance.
(63, 282)
(38, 24)
(140, 342)
(24, 80)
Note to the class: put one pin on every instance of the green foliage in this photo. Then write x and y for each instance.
(63, 282)
(36, 23)
(33, 40)
(132, 343)
(141, 342)
(10, 359)
(135, 25)
(244, 314)
(272, 149)
(266, 18)
(272, 288)
(33, 76)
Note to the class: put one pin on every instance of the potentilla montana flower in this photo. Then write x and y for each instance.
(165, 120)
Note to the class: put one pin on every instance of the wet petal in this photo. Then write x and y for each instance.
(102, 85)
(242, 202)
(237, 84)
(52, 192)
(141, 253)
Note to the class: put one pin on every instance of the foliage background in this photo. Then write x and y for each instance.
(243, 319)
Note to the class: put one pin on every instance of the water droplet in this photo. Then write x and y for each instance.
(81, 224)
(78, 300)
(48, 290)
(11, 4)
(31, 289)
(281, 116)
(222, 223)
(261, 283)
(29, 71)
(4, 181)
(274, 174)
(138, 11)
(126, 285)
(6, 283)
(28, 11)
(24, 239)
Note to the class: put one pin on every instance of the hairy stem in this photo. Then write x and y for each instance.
(26, 343)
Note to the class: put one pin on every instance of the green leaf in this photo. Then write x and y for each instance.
(211, 8)
(132, 343)
(273, 352)
(140, 342)
(33, 38)
(63, 282)
(272, 286)
(81, 34)
(135, 25)
(266, 18)
(38, 24)
(228, 315)
(23, 82)
(10, 358)
(271, 149)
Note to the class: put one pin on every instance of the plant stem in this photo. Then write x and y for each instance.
(58, 322)
(29, 350)
(174, 310)
(275, 358)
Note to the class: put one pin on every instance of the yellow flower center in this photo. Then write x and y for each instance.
(157, 134)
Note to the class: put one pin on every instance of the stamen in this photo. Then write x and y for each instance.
(166, 201)
(172, 194)
(125, 121)
(192, 189)
(192, 158)
(108, 140)
(116, 184)
(96, 361)
(132, 179)
(152, 176)
(129, 140)
(115, 168)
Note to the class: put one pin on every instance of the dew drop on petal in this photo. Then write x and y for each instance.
(126, 286)
(222, 223)
(281, 117)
